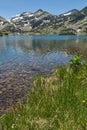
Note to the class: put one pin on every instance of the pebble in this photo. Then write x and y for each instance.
(0, 92)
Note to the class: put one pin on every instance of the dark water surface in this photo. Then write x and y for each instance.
(22, 57)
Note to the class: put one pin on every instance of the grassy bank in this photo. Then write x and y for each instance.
(57, 102)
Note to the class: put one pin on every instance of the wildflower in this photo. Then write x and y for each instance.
(83, 101)
(12, 126)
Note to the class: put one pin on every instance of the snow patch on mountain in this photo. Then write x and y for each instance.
(66, 14)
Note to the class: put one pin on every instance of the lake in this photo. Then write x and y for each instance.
(23, 57)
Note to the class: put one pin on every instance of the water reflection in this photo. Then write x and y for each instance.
(41, 45)
(26, 47)
(23, 57)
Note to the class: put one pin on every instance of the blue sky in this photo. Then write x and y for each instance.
(9, 8)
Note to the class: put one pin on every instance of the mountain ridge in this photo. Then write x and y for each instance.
(73, 22)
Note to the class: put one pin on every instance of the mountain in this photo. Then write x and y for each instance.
(28, 21)
(3, 22)
(73, 22)
(7, 27)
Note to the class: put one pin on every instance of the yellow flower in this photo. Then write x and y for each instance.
(83, 101)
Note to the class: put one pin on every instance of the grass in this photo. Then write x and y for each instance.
(57, 102)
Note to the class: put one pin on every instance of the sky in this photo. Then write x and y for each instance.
(10, 8)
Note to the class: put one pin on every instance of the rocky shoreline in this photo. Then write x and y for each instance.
(12, 88)
(15, 86)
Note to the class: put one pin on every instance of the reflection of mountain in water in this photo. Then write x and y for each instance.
(43, 47)
(40, 46)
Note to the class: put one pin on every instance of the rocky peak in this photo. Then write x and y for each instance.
(26, 14)
(84, 11)
(39, 10)
(74, 11)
